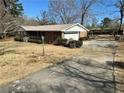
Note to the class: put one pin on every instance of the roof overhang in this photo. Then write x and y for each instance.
(77, 24)
(29, 28)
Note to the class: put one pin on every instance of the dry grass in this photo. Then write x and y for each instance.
(119, 71)
(20, 59)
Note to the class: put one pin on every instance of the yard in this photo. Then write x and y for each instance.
(19, 59)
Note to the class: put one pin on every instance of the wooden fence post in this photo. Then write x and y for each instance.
(43, 45)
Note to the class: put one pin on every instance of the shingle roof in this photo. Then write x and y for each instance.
(46, 27)
(50, 27)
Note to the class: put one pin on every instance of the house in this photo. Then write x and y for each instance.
(52, 32)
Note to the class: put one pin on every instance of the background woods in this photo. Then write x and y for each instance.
(62, 12)
(10, 11)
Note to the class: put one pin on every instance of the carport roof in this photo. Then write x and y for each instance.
(61, 27)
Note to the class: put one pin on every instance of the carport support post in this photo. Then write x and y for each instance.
(43, 45)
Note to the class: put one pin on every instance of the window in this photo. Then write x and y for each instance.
(70, 32)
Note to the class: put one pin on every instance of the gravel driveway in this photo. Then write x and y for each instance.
(76, 75)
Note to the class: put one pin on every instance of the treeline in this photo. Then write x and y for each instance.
(60, 12)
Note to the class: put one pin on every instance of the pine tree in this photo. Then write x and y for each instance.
(14, 7)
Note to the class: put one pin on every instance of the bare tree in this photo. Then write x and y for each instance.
(45, 19)
(120, 6)
(3, 6)
(10, 10)
(85, 8)
(94, 22)
(28, 21)
(63, 11)
(71, 11)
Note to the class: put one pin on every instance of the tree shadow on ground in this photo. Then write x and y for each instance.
(64, 88)
(117, 64)
(78, 77)
(97, 83)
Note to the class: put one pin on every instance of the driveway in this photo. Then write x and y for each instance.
(77, 75)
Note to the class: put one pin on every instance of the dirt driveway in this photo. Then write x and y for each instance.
(77, 75)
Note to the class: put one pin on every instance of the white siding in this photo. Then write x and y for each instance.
(76, 28)
(72, 35)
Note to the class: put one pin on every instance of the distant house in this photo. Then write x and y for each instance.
(52, 32)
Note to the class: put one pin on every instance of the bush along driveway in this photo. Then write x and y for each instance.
(76, 75)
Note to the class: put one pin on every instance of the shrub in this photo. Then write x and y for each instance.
(39, 41)
(79, 44)
(58, 41)
(25, 39)
(64, 42)
(119, 38)
(18, 38)
(35, 41)
(72, 44)
(1, 35)
(116, 37)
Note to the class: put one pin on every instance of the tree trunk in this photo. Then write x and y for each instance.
(121, 20)
(82, 19)
(63, 21)
(5, 34)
